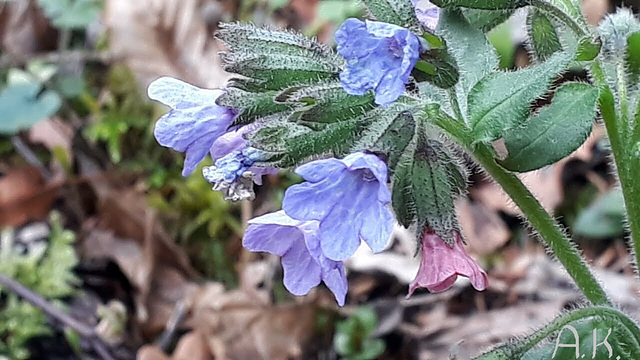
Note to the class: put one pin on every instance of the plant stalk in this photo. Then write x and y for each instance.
(549, 230)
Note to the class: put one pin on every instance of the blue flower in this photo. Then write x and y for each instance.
(427, 13)
(379, 56)
(194, 123)
(349, 198)
(234, 173)
(302, 260)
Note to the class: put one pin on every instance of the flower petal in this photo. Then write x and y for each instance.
(315, 171)
(313, 201)
(301, 272)
(180, 95)
(377, 233)
(274, 233)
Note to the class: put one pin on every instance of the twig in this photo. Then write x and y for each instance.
(38, 301)
(177, 316)
(28, 154)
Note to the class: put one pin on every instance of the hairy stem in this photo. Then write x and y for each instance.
(548, 229)
(623, 153)
(628, 326)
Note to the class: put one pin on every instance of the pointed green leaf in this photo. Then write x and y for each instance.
(474, 56)
(633, 55)
(437, 67)
(251, 105)
(486, 20)
(390, 135)
(588, 48)
(604, 218)
(501, 100)
(328, 102)
(22, 105)
(543, 38)
(555, 132)
(399, 12)
(274, 72)
(482, 4)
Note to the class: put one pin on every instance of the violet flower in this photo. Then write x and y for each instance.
(302, 260)
(427, 13)
(194, 122)
(441, 265)
(379, 56)
(349, 198)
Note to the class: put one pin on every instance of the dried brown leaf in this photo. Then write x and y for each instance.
(165, 37)
(25, 195)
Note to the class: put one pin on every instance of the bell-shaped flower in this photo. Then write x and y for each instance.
(379, 56)
(302, 260)
(349, 198)
(427, 13)
(441, 265)
(194, 122)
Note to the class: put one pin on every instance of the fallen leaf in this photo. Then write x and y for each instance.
(25, 195)
(165, 37)
(24, 29)
(192, 346)
(53, 133)
(483, 229)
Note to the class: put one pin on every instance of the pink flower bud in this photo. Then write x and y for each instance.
(441, 265)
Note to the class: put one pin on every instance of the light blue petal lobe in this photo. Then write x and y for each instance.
(338, 234)
(336, 280)
(390, 88)
(377, 225)
(194, 155)
(274, 233)
(315, 171)
(312, 201)
(178, 94)
(353, 40)
(301, 272)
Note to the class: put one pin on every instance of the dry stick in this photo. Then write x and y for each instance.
(38, 301)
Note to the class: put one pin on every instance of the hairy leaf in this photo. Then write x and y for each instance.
(472, 52)
(399, 12)
(482, 4)
(555, 132)
(327, 102)
(501, 100)
(633, 55)
(486, 20)
(251, 105)
(437, 67)
(543, 38)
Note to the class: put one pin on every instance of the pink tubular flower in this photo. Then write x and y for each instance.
(441, 265)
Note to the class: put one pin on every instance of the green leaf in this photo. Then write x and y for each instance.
(437, 67)
(425, 184)
(389, 138)
(23, 105)
(327, 102)
(501, 100)
(602, 219)
(588, 48)
(482, 4)
(555, 132)
(277, 71)
(71, 14)
(486, 20)
(633, 55)
(399, 12)
(251, 105)
(542, 35)
(474, 56)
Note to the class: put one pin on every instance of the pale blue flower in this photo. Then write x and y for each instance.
(427, 13)
(302, 260)
(349, 198)
(194, 122)
(379, 56)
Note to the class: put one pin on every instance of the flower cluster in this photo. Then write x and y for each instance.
(342, 202)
